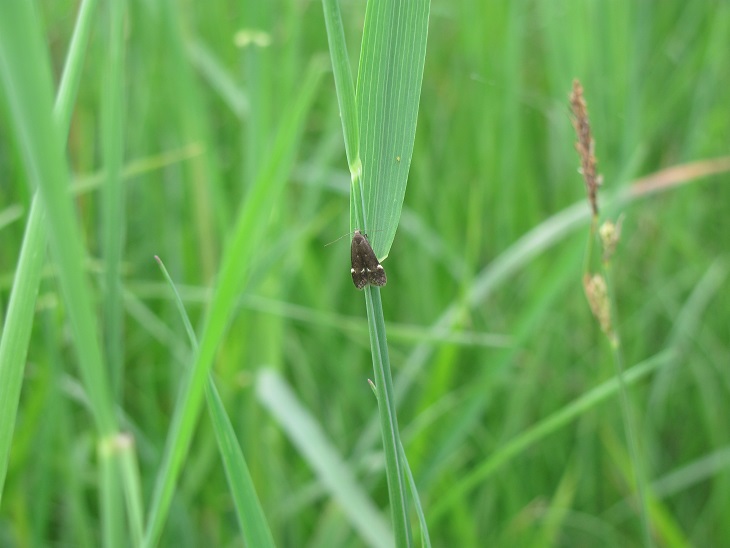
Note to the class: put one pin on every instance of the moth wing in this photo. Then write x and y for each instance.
(358, 271)
(359, 278)
(377, 276)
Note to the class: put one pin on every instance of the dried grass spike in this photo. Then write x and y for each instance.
(585, 145)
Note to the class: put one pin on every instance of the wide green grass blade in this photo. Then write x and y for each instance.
(389, 80)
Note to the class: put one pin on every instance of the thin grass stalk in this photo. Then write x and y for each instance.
(112, 237)
(629, 418)
(113, 196)
(395, 463)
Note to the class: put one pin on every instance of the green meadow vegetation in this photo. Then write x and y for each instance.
(184, 360)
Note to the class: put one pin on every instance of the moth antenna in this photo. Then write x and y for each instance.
(338, 239)
(350, 234)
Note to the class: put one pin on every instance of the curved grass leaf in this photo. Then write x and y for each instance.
(251, 519)
(334, 473)
(388, 92)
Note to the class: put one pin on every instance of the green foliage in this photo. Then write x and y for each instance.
(380, 118)
(233, 170)
(388, 90)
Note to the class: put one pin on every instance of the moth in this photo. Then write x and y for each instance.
(365, 266)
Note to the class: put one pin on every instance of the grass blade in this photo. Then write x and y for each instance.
(546, 427)
(113, 196)
(251, 518)
(395, 462)
(27, 81)
(29, 88)
(343, 85)
(379, 128)
(246, 236)
(21, 308)
(389, 80)
(16, 331)
(307, 435)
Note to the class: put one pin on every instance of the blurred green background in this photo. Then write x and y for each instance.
(489, 329)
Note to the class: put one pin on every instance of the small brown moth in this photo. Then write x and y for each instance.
(365, 266)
